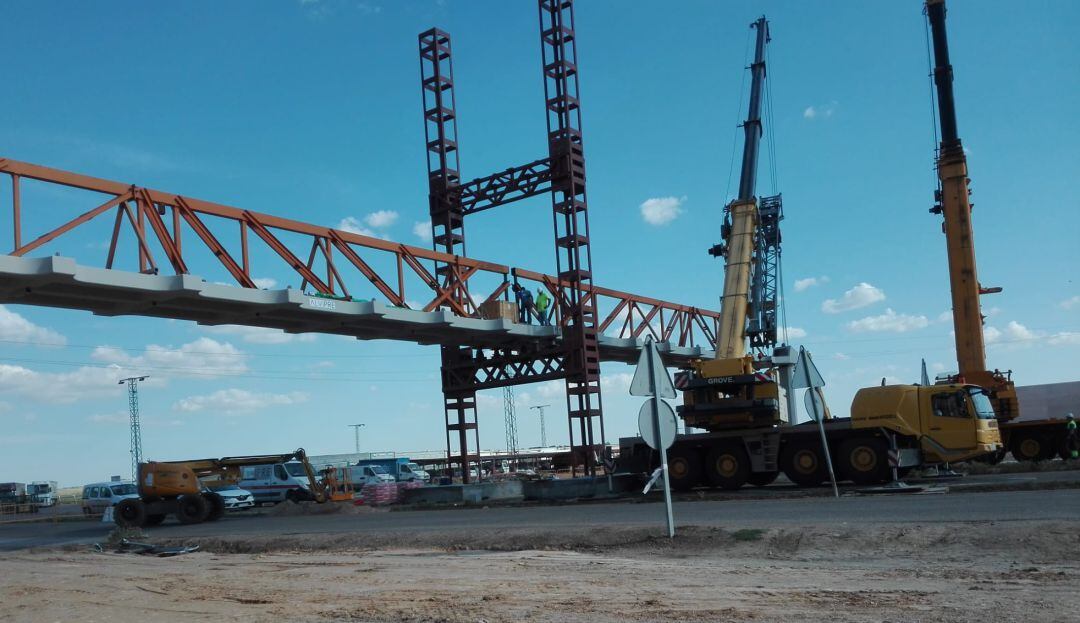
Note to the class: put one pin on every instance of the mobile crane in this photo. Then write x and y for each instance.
(1028, 440)
(177, 488)
(742, 400)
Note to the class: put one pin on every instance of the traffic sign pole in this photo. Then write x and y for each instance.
(655, 369)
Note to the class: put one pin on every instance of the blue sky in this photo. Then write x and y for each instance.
(311, 110)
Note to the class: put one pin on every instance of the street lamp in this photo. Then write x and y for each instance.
(356, 428)
(543, 429)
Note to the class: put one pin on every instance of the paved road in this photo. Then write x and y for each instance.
(953, 507)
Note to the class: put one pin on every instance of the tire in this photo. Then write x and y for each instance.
(727, 467)
(216, 506)
(294, 496)
(154, 520)
(803, 464)
(1030, 447)
(864, 460)
(130, 513)
(684, 469)
(762, 479)
(192, 509)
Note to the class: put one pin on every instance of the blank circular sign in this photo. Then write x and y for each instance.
(668, 424)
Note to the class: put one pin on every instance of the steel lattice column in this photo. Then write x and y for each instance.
(447, 226)
(576, 304)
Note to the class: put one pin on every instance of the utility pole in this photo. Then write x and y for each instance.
(510, 422)
(136, 428)
(356, 429)
(543, 429)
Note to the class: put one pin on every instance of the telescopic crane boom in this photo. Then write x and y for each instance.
(952, 201)
(734, 388)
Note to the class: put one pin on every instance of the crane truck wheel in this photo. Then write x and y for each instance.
(1030, 447)
(215, 505)
(130, 513)
(803, 464)
(727, 467)
(192, 509)
(864, 461)
(684, 469)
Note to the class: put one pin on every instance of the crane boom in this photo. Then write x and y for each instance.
(742, 219)
(953, 203)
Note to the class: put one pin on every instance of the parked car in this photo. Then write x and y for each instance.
(236, 499)
(401, 469)
(98, 496)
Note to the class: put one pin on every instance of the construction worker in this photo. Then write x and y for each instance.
(519, 298)
(528, 309)
(1072, 441)
(542, 303)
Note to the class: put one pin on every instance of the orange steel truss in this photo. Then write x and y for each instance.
(168, 222)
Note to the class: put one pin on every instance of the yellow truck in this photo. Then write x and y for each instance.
(923, 425)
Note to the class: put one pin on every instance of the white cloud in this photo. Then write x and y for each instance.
(618, 383)
(352, 225)
(381, 219)
(945, 316)
(1016, 335)
(1065, 338)
(233, 401)
(861, 295)
(260, 335)
(805, 284)
(822, 111)
(116, 417)
(889, 321)
(15, 328)
(203, 357)
(422, 230)
(661, 210)
(1070, 303)
(61, 388)
(264, 283)
(840, 357)
(796, 333)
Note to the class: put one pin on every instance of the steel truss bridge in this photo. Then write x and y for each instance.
(432, 296)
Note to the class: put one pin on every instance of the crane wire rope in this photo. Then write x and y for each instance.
(738, 116)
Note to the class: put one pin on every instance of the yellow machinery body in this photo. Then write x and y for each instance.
(952, 422)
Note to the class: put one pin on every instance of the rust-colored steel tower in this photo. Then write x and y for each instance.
(575, 357)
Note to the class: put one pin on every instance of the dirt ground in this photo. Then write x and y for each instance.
(1013, 571)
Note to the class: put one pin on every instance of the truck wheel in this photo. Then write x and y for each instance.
(1030, 447)
(684, 469)
(864, 461)
(803, 464)
(215, 505)
(762, 479)
(727, 467)
(130, 513)
(192, 509)
(294, 496)
(154, 520)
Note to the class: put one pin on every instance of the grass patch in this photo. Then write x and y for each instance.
(747, 534)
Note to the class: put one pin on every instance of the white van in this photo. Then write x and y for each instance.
(276, 483)
(360, 475)
(98, 496)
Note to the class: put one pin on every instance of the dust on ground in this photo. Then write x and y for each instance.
(985, 572)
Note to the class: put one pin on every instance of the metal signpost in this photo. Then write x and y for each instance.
(807, 375)
(656, 420)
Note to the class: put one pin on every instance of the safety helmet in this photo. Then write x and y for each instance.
(1069, 416)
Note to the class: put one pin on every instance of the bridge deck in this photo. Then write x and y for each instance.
(60, 282)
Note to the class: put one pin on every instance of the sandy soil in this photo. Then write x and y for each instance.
(1016, 571)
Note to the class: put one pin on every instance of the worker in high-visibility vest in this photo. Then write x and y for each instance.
(542, 303)
(1072, 441)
